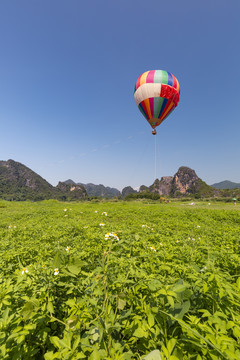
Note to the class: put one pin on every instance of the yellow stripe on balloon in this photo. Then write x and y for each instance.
(143, 79)
(178, 86)
(147, 104)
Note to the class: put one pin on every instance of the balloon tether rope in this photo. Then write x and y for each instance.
(155, 158)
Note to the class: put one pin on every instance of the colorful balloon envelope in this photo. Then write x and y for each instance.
(156, 94)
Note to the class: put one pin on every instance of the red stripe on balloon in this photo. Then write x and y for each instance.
(176, 99)
(138, 82)
(174, 82)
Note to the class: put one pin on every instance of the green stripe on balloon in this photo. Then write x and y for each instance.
(164, 77)
(158, 76)
(157, 106)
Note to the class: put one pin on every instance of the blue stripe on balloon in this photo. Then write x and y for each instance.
(163, 106)
(170, 79)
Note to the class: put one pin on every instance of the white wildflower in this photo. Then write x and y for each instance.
(56, 271)
(24, 270)
(112, 235)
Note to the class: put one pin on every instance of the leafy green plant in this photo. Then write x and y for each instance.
(113, 280)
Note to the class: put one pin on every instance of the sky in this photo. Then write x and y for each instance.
(67, 73)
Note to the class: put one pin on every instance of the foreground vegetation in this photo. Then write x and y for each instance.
(124, 280)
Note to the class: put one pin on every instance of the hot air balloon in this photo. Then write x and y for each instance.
(156, 94)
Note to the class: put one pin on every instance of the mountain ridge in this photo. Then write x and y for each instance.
(97, 190)
(226, 184)
(18, 182)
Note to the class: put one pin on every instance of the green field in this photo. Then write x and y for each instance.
(119, 280)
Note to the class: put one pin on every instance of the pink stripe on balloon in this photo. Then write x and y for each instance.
(151, 103)
(150, 76)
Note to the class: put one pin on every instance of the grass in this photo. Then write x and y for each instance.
(164, 283)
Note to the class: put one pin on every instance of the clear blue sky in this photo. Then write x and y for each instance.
(67, 72)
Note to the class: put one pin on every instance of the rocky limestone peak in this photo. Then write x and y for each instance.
(77, 191)
(163, 186)
(185, 181)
